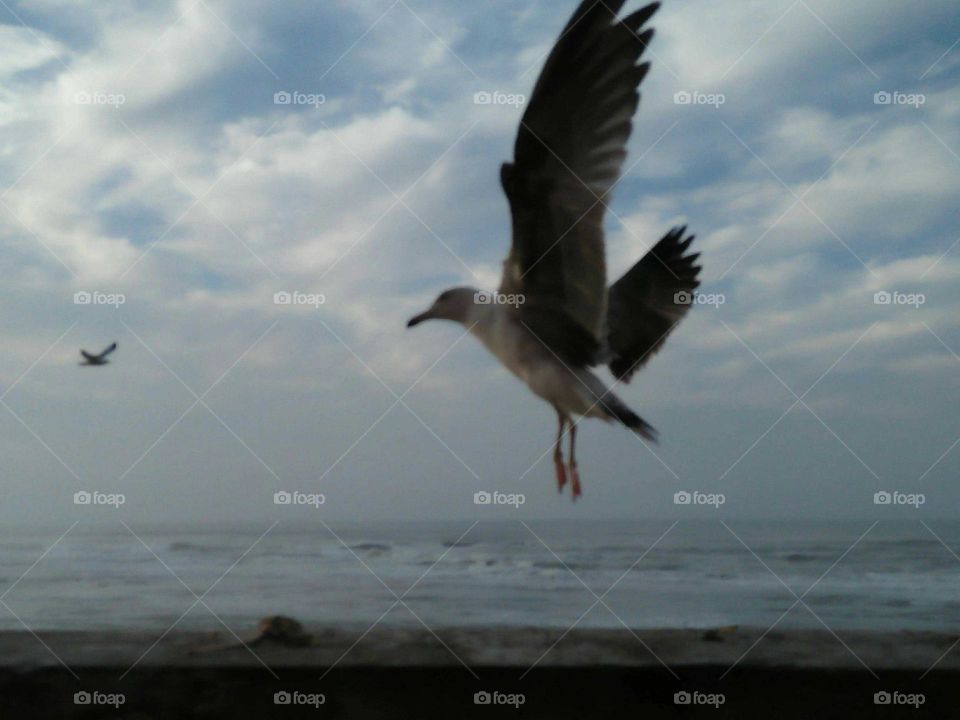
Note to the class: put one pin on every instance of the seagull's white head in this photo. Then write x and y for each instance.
(457, 304)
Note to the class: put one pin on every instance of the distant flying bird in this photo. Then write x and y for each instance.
(100, 359)
(554, 317)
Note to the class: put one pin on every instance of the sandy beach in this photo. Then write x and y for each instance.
(473, 673)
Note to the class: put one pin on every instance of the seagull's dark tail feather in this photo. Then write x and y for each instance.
(619, 411)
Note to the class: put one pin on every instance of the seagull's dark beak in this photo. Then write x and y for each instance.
(417, 319)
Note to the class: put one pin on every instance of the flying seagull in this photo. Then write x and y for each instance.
(554, 317)
(100, 359)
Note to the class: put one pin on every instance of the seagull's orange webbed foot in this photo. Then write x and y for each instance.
(574, 474)
(561, 471)
(558, 454)
(575, 481)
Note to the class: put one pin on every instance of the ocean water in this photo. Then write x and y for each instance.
(504, 573)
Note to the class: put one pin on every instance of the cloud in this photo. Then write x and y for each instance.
(199, 198)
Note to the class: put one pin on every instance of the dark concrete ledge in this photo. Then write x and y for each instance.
(810, 649)
(409, 673)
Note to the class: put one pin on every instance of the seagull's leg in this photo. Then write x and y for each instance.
(558, 455)
(574, 475)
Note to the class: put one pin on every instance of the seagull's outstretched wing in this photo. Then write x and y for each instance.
(569, 153)
(648, 301)
(99, 358)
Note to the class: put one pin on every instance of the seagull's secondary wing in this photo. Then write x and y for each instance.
(569, 153)
(88, 356)
(648, 302)
(108, 350)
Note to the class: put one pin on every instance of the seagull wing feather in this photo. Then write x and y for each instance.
(569, 154)
(648, 302)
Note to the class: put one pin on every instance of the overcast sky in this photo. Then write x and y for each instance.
(145, 155)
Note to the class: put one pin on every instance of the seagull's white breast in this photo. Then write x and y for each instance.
(499, 328)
